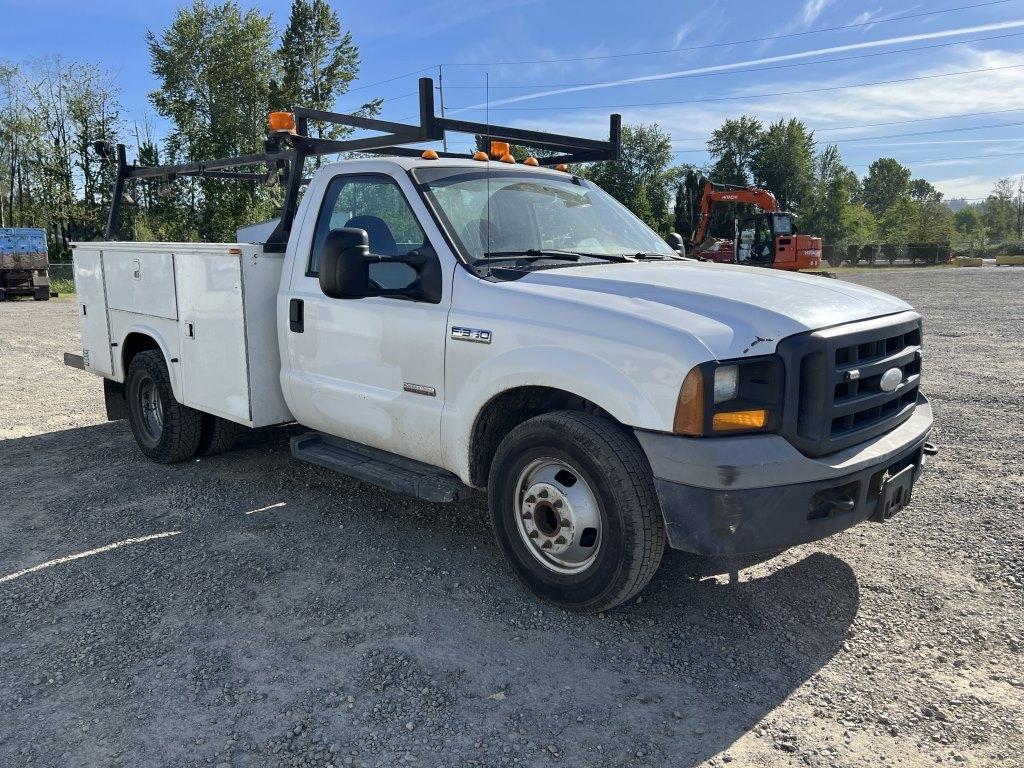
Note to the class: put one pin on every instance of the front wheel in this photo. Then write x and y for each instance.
(574, 509)
(165, 430)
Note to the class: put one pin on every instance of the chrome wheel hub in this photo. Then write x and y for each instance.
(558, 516)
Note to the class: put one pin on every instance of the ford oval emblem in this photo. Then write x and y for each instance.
(890, 380)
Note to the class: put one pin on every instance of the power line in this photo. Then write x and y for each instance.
(961, 129)
(734, 42)
(919, 120)
(930, 133)
(764, 95)
(747, 69)
(392, 79)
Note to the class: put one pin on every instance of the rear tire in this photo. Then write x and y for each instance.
(217, 435)
(574, 509)
(166, 430)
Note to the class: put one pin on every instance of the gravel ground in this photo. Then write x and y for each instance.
(282, 615)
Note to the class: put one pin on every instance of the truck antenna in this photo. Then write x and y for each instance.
(487, 169)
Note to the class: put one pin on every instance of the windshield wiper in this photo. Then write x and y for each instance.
(535, 254)
(532, 254)
(650, 255)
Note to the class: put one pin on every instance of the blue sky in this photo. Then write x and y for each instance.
(956, 117)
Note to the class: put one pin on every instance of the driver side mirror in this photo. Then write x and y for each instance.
(345, 262)
(675, 242)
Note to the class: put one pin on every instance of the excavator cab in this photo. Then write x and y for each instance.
(770, 240)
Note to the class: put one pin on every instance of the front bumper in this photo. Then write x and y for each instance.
(757, 493)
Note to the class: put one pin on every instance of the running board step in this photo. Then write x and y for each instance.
(387, 470)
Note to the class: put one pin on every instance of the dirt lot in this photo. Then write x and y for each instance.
(289, 616)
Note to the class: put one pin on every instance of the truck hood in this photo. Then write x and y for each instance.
(733, 310)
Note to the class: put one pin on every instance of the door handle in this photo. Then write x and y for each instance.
(295, 316)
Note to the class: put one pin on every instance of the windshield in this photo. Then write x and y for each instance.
(533, 212)
(783, 224)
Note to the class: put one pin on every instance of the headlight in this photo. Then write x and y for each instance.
(727, 379)
(731, 396)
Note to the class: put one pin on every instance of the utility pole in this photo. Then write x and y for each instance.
(440, 87)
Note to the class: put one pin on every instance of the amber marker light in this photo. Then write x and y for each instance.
(500, 149)
(734, 420)
(281, 122)
(531, 161)
(429, 154)
(562, 167)
(479, 155)
(689, 419)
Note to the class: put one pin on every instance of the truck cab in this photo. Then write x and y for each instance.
(442, 324)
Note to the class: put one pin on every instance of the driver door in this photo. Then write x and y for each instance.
(372, 369)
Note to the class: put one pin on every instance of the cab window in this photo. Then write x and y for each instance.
(377, 205)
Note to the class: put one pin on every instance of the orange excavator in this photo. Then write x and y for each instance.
(766, 239)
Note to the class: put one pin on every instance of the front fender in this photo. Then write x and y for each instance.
(572, 371)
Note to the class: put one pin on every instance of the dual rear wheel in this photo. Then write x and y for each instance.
(166, 430)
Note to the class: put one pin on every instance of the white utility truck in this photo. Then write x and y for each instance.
(447, 323)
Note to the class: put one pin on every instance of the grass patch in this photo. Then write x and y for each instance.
(64, 286)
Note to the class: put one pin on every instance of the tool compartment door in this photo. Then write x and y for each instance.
(92, 307)
(214, 364)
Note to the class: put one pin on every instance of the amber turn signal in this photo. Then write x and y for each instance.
(733, 420)
(689, 419)
(281, 122)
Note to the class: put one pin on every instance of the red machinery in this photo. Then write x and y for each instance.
(766, 239)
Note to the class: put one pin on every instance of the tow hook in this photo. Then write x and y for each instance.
(930, 449)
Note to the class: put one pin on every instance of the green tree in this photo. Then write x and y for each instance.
(933, 222)
(887, 181)
(970, 226)
(318, 64)
(1000, 214)
(215, 64)
(897, 222)
(921, 190)
(783, 161)
(732, 148)
(689, 189)
(858, 224)
(642, 178)
(833, 188)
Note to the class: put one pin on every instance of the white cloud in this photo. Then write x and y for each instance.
(973, 186)
(754, 62)
(811, 10)
(682, 33)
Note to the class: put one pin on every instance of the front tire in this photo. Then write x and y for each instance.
(166, 430)
(574, 510)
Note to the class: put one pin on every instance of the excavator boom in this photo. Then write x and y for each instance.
(726, 193)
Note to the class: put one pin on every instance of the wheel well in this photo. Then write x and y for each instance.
(133, 344)
(506, 411)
